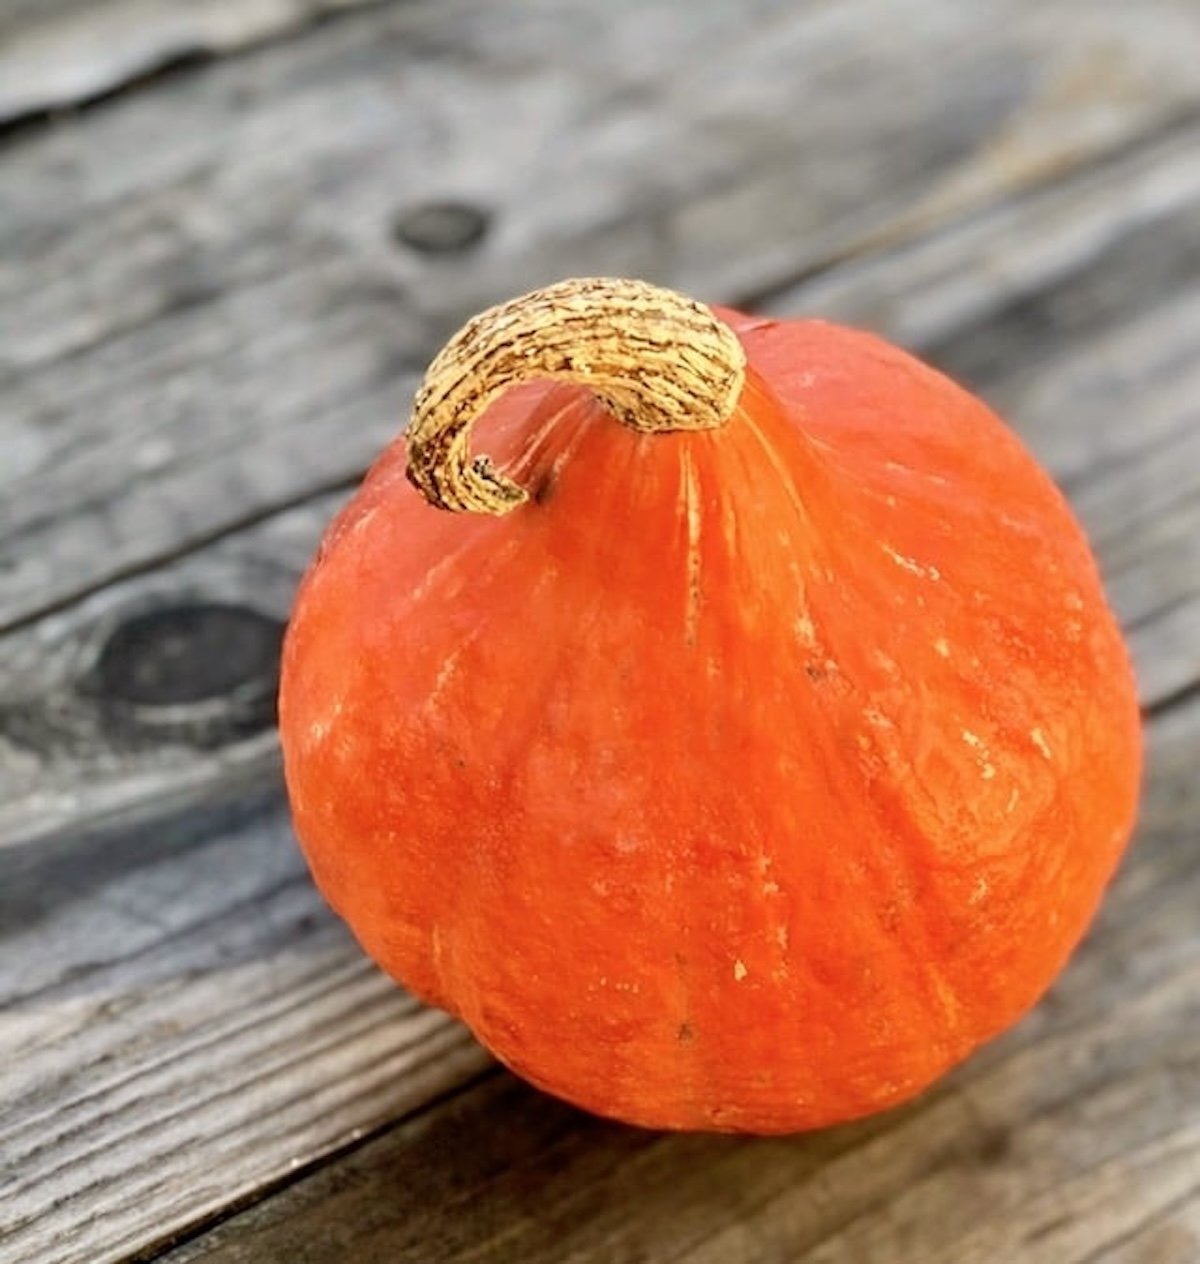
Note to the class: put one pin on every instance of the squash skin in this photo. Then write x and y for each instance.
(743, 780)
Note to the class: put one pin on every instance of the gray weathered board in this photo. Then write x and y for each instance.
(231, 231)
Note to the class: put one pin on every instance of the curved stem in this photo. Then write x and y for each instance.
(657, 360)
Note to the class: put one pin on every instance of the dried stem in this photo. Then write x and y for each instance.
(657, 360)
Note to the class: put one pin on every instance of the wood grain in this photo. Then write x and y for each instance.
(65, 53)
(153, 245)
(182, 1020)
(216, 292)
(1062, 1143)
(65, 781)
(258, 566)
(1095, 341)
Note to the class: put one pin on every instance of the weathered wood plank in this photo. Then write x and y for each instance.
(57, 55)
(325, 323)
(182, 1020)
(1062, 1143)
(69, 780)
(1096, 344)
(155, 246)
(108, 893)
(1171, 1237)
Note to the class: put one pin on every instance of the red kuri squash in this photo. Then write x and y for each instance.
(769, 755)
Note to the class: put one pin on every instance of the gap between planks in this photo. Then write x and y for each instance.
(81, 56)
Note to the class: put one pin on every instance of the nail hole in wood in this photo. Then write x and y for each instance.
(437, 228)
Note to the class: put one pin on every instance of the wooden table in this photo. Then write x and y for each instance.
(231, 234)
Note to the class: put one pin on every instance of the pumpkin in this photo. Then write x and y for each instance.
(740, 743)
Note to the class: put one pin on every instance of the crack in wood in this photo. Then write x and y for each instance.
(169, 54)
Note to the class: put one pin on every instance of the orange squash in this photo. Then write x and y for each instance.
(751, 749)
